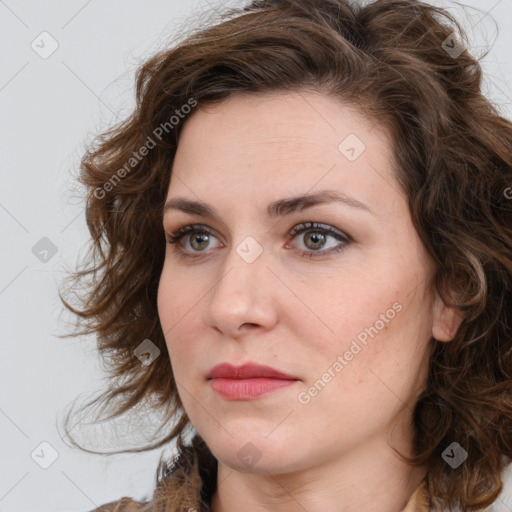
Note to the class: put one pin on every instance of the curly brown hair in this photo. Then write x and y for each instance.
(401, 62)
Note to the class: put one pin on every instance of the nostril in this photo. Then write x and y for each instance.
(249, 324)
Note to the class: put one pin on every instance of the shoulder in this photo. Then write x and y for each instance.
(503, 502)
(124, 505)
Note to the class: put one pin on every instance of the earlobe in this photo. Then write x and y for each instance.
(446, 321)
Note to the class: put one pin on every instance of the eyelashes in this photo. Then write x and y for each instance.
(319, 233)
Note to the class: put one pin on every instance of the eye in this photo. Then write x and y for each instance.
(316, 236)
(198, 242)
(198, 237)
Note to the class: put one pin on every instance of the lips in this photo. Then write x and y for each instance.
(247, 382)
(247, 371)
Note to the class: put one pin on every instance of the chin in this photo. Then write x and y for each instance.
(254, 453)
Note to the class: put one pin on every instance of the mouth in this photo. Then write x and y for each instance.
(247, 382)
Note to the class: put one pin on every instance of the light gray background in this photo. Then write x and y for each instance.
(50, 108)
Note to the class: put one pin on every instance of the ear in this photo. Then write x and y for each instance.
(446, 321)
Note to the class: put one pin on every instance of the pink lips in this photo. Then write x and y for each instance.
(248, 381)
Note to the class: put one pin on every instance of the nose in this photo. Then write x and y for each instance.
(245, 295)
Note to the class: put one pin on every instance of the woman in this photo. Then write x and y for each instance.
(304, 258)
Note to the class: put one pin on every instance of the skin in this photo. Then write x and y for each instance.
(297, 313)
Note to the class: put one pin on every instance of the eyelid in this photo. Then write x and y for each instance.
(312, 226)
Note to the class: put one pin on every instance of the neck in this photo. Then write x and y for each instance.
(372, 479)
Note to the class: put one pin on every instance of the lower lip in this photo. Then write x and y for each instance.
(247, 389)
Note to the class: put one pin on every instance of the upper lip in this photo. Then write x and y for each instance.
(246, 371)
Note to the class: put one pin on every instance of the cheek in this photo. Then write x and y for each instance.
(373, 319)
(179, 311)
(176, 299)
(170, 310)
(358, 308)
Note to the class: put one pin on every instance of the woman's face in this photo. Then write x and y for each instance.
(351, 327)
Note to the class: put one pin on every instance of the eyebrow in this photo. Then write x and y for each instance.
(278, 208)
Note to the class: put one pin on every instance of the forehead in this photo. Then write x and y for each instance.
(280, 119)
(279, 144)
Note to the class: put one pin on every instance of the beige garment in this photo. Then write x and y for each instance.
(418, 502)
